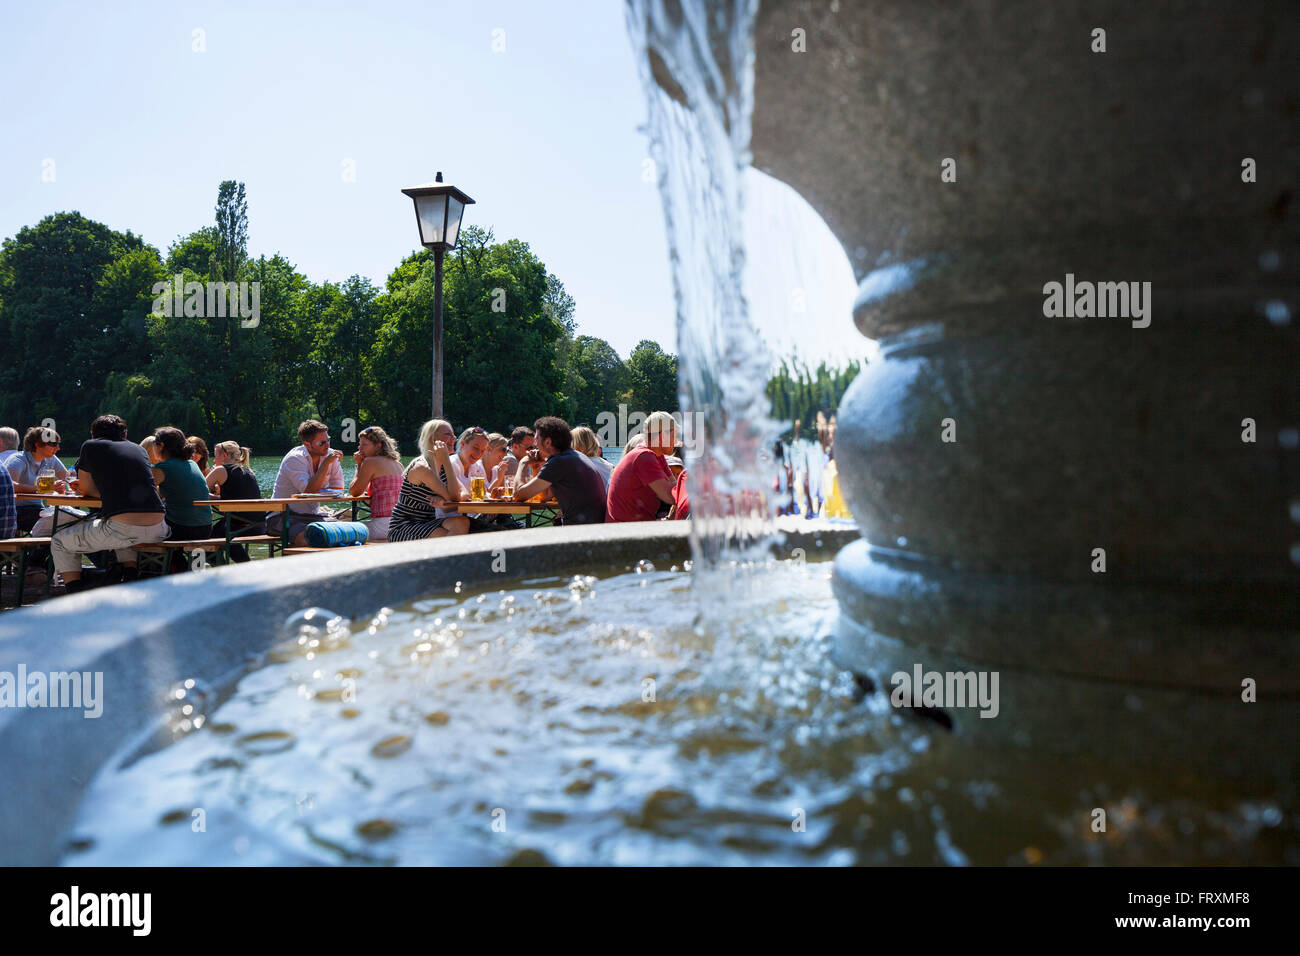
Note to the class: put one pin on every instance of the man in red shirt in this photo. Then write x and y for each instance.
(641, 479)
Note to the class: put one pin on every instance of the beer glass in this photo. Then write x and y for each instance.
(476, 486)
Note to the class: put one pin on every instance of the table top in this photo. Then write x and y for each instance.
(270, 504)
(60, 500)
(505, 507)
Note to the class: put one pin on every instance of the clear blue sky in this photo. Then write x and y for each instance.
(545, 135)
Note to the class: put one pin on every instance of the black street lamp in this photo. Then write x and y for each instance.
(438, 208)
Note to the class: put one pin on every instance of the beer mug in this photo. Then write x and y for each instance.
(45, 484)
(476, 487)
(509, 486)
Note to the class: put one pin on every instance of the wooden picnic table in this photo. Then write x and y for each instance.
(57, 501)
(267, 505)
(505, 506)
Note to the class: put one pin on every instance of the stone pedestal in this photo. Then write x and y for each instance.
(1069, 437)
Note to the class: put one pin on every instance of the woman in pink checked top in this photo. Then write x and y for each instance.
(379, 470)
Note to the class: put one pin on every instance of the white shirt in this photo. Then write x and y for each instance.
(605, 468)
(476, 470)
(295, 471)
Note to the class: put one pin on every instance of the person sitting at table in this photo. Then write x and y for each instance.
(116, 472)
(494, 462)
(230, 477)
(568, 473)
(200, 453)
(681, 498)
(311, 468)
(232, 480)
(150, 449)
(8, 506)
(467, 464)
(426, 485)
(8, 444)
(379, 474)
(181, 484)
(39, 448)
(522, 442)
(585, 441)
(641, 480)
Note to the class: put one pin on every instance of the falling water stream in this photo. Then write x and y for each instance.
(629, 715)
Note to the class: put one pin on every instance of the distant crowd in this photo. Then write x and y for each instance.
(153, 491)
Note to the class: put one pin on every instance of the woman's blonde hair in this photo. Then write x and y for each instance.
(234, 451)
(497, 440)
(427, 431)
(386, 443)
(584, 439)
(633, 442)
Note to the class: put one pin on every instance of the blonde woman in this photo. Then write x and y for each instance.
(585, 441)
(232, 479)
(147, 443)
(379, 473)
(429, 482)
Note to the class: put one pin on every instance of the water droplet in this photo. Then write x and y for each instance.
(1277, 311)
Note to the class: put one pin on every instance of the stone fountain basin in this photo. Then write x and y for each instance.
(144, 637)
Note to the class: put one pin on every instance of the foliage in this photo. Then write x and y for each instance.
(80, 338)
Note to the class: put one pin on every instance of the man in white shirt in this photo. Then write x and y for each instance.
(311, 468)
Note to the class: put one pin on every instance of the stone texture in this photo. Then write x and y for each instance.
(1072, 434)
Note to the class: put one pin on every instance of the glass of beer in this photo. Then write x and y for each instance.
(509, 486)
(476, 487)
(45, 484)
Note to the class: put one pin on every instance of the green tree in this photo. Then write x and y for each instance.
(499, 342)
(596, 379)
(652, 373)
(196, 252)
(231, 230)
(61, 317)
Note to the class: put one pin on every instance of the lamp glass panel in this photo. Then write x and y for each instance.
(455, 208)
(430, 210)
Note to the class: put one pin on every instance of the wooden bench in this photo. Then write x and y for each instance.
(13, 557)
(157, 558)
(343, 547)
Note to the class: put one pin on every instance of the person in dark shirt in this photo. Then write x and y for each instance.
(117, 472)
(574, 479)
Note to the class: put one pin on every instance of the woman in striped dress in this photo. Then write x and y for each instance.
(379, 473)
(429, 483)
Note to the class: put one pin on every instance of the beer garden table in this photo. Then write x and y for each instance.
(539, 513)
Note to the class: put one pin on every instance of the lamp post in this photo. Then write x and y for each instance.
(438, 208)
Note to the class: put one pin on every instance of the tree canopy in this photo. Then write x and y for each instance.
(81, 337)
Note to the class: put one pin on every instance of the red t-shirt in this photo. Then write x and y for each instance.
(681, 497)
(630, 495)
